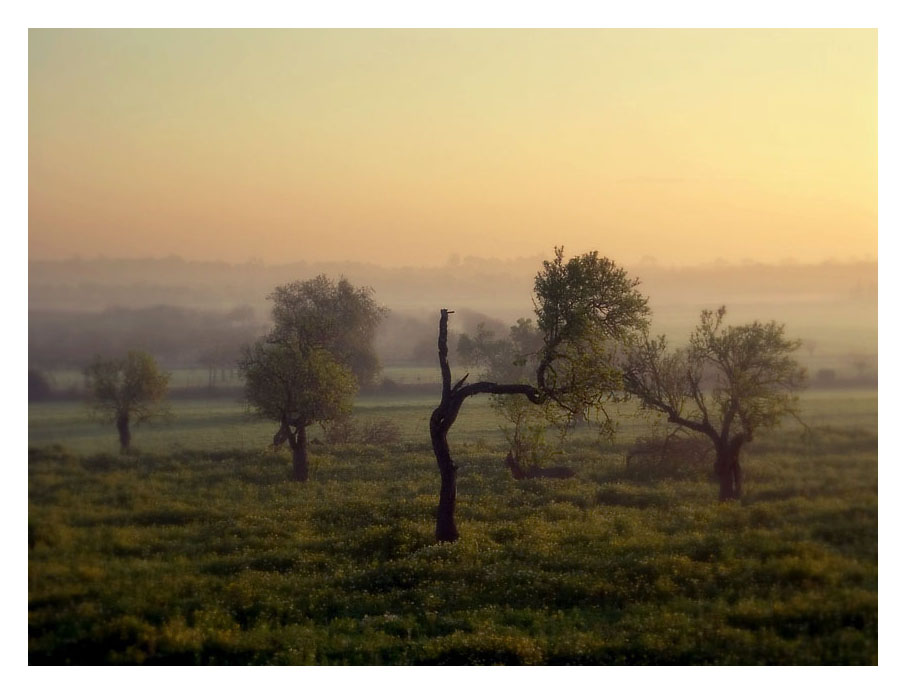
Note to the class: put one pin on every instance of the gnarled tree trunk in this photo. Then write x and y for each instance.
(441, 420)
(445, 527)
(444, 416)
(125, 434)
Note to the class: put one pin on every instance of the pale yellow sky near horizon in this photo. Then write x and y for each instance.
(406, 146)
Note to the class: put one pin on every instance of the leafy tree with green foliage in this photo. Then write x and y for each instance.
(586, 308)
(312, 362)
(729, 383)
(336, 317)
(296, 388)
(126, 391)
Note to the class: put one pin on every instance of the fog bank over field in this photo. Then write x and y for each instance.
(832, 306)
(494, 286)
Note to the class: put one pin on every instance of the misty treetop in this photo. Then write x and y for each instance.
(507, 358)
(334, 316)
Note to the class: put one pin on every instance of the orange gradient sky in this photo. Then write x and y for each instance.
(406, 146)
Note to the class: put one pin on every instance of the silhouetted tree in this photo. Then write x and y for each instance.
(585, 308)
(729, 383)
(126, 392)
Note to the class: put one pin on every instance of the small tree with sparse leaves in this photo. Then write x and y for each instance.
(126, 392)
(728, 383)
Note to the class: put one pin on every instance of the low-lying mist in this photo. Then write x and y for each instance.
(198, 315)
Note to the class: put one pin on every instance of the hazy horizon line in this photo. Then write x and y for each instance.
(454, 261)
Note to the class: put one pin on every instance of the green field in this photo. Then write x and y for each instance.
(200, 550)
(189, 377)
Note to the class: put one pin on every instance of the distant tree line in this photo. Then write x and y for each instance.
(176, 336)
(212, 340)
(76, 284)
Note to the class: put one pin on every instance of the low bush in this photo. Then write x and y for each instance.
(379, 431)
(371, 431)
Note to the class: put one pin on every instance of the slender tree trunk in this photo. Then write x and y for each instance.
(300, 456)
(125, 434)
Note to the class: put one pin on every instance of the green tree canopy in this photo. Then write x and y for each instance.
(336, 317)
(310, 365)
(586, 310)
(294, 387)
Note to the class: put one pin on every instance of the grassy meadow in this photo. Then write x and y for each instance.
(199, 549)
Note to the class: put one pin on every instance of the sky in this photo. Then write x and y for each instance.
(407, 147)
